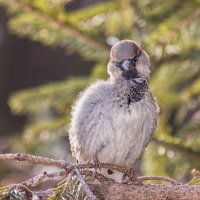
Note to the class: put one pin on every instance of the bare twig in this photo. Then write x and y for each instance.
(85, 185)
(78, 182)
(56, 163)
(103, 165)
(37, 180)
(160, 178)
(99, 177)
(69, 167)
(35, 159)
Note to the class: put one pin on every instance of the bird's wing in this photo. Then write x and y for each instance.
(90, 119)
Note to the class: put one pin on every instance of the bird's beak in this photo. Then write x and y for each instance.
(127, 64)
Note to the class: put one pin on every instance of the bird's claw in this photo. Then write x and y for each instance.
(130, 177)
(97, 165)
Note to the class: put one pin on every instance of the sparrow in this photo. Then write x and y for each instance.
(114, 120)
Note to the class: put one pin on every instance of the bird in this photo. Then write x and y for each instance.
(114, 120)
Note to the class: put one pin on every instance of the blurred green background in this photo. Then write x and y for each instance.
(52, 49)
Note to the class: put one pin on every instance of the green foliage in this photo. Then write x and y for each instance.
(168, 30)
(4, 192)
(92, 11)
(72, 190)
(58, 96)
(195, 181)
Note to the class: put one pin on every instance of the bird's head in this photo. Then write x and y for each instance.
(129, 61)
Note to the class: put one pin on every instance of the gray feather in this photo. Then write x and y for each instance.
(105, 124)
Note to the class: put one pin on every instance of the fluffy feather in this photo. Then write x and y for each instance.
(115, 119)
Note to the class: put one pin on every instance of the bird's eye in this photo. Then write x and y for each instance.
(117, 64)
(138, 54)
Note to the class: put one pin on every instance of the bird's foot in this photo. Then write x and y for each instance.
(130, 177)
(97, 165)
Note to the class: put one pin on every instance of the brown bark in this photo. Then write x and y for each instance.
(116, 191)
(105, 189)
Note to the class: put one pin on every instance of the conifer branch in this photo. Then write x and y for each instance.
(34, 159)
(180, 148)
(37, 180)
(74, 33)
(77, 183)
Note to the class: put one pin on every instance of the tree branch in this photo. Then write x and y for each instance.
(116, 191)
(34, 159)
(80, 182)
(160, 178)
(37, 180)
(177, 147)
(63, 26)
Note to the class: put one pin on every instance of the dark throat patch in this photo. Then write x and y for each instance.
(137, 89)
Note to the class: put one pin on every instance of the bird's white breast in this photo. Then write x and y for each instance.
(103, 124)
(134, 126)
